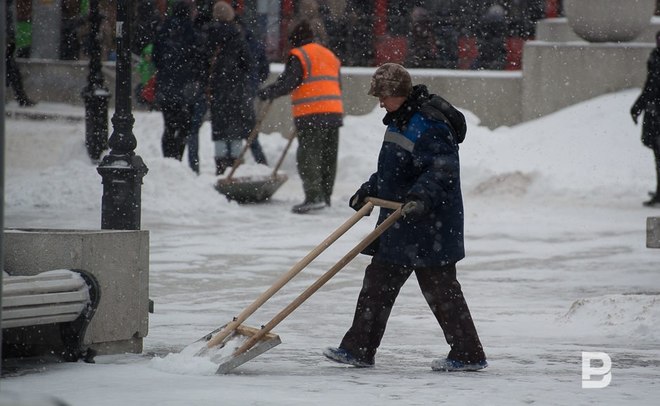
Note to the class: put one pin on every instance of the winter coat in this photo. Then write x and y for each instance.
(649, 102)
(419, 160)
(174, 58)
(230, 82)
(261, 67)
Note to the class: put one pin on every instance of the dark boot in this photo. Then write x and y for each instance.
(654, 201)
(221, 165)
(25, 101)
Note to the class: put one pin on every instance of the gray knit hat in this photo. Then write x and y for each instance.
(391, 79)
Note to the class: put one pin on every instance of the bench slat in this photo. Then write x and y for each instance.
(34, 321)
(50, 297)
(46, 275)
(38, 286)
(36, 311)
(47, 298)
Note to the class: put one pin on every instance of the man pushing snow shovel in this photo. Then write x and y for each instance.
(418, 164)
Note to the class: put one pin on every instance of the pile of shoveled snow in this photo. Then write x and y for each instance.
(632, 315)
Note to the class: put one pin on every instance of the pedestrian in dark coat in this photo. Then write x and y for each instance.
(419, 165)
(231, 97)
(174, 58)
(649, 103)
(259, 73)
(13, 76)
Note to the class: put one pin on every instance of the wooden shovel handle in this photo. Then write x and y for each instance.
(292, 135)
(284, 279)
(253, 134)
(391, 219)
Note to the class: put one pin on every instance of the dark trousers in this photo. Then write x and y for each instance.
(196, 121)
(177, 129)
(380, 288)
(258, 152)
(15, 79)
(317, 162)
(656, 153)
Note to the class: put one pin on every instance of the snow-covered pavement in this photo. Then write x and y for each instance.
(556, 266)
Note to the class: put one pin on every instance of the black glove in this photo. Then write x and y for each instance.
(263, 94)
(358, 199)
(635, 111)
(414, 210)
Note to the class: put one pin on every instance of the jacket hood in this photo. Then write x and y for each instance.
(431, 106)
(437, 108)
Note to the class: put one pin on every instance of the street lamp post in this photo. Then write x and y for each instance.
(122, 171)
(95, 94)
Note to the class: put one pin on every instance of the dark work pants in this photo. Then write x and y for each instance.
(381, 285)
(656, 153)
(177, 117)
(317, 162)
(14, 78)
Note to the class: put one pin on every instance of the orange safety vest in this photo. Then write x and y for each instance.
(319, 91)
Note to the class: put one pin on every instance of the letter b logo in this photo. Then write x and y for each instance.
(602, 371)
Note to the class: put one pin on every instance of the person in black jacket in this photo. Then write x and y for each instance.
(231, 92)
(419, 165)
(13, 76)
(649, 103)
(175, 57)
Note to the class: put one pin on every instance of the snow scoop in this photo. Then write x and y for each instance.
(253, 189)
(253, 341)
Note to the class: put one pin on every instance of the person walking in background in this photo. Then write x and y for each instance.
(13, 76)
(648, 102)
(312, 77)
(174, 58)
(147, 21)
(419, 165)
(422, 43)
(231, 101)
(309, 11)
(258, 75)
(491, 39)
(145, 90)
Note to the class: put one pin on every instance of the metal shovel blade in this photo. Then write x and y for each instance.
(250, 189)
(224, 353)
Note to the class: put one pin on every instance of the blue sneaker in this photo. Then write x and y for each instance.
(452, 365)
(342, 356)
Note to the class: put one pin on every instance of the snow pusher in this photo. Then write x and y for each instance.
(234, 344)
(253, 189)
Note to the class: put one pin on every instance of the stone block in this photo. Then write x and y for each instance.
(119, 259)
(653, 232)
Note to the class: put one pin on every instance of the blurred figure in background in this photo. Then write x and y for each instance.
(13, 75)
(174, 58)
(422, 43)
(258, 75)
(491, 39)
(312, 77)
(649, 103)
(230, 74)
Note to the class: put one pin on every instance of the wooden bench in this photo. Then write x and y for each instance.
(48, 312)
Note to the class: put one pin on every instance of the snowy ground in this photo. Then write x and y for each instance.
(556, 265)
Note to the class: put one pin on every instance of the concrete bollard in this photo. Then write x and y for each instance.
(653, 232)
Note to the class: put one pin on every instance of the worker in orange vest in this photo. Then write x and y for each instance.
(312, 77)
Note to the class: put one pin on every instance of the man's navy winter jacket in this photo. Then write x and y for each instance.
(419, 160)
